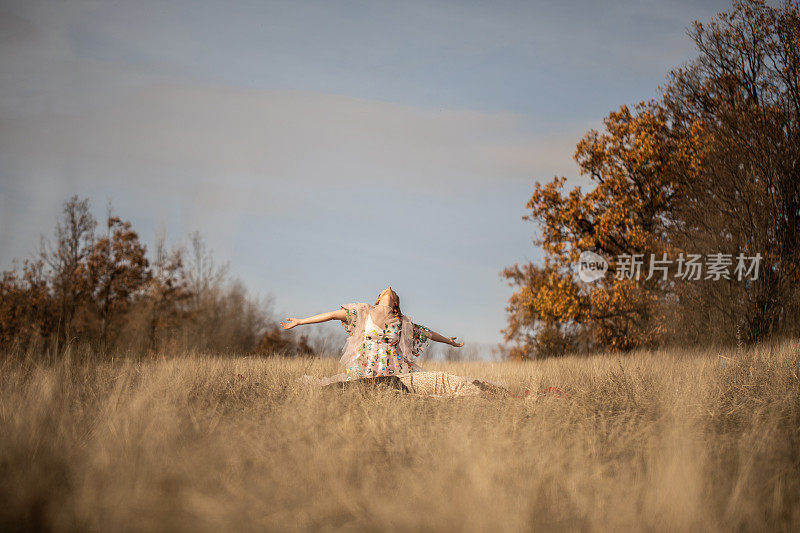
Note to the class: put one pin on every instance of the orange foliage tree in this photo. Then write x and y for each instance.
(27, 310)
(713, 166)
(117, 271)
(634, 164)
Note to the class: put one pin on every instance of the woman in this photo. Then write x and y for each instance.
(382, 341)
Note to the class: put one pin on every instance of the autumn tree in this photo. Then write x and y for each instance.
(167, 291)
(26, 309)
(100, 290)
(116, 271)
(41, 299)
(745, 90)
(65, 257)
(634, 164)
(711, 167)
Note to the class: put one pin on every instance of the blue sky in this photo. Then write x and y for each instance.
(324, 149)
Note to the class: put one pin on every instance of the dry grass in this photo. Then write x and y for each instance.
(652, 441)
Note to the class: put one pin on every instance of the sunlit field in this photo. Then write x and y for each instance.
(655, 441)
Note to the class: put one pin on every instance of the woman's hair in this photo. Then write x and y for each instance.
(395, 303)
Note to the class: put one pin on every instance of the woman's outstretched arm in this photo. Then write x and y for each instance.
(451, 341)
(339, 314)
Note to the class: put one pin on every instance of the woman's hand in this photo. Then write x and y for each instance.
(454, 343)
(290, 323)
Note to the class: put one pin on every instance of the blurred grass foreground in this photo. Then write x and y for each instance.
(665, 440)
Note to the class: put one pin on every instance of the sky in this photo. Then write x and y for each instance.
(324, 149)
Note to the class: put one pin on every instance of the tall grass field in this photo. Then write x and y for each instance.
(657, 441)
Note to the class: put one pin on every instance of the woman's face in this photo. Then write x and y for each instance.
(387, 296)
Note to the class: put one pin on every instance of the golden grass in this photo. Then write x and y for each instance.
(658, 441)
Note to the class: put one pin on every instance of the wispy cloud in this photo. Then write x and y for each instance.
(221, 131)
(236, 117)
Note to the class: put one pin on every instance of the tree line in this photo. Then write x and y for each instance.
(97, 286)
(710, 166)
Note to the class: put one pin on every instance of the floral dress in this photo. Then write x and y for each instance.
(379, 353)
(391, 348)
